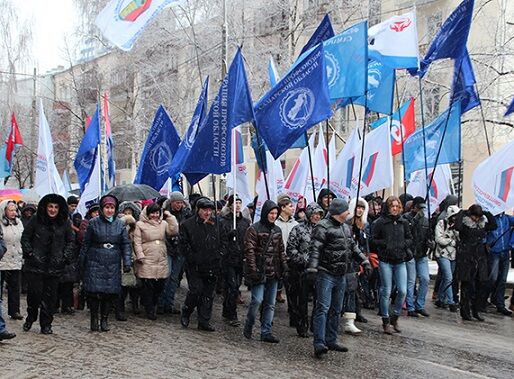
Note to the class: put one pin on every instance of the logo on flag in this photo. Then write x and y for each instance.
(400, 25)
(332, 68)
(297, 107)
(433, 187)
(160, 158)
(132, 9)
(374, 78)
(505, 182)
(350, 165)
(370, 169)
(190, 139)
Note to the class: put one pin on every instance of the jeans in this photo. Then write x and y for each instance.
(445, 293)
(232, 276)
(388, 272)
(329, 303)
(167, 299)
(499, 265)
(264, 294)
(417, 268)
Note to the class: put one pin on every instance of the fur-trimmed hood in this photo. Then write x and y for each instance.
(351, 209)
(54, 198)
(480, 224)
(136, 209)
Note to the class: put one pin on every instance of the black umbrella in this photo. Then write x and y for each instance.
(133, 192)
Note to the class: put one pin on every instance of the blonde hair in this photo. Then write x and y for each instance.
(389, 202)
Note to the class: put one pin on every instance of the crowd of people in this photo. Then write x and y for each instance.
(338, 256)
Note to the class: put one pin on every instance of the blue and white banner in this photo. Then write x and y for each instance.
(85, 156)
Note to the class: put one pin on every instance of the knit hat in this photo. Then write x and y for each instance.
(337, 206)
(108, 200)
(176, 196)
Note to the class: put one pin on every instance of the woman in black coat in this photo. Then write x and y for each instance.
(471, 261)
(105, 245)
(47, 243)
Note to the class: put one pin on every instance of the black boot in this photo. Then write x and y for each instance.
(94, 304)
(394, 323)
(105, 307)
(151, 313)
(185, 316)
(476, 315)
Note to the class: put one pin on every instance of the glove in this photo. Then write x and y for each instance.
(167, 214)
(126, 269)
(367, 268)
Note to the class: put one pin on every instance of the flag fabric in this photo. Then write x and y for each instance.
(47, 177)
(93, 188)
(346, 60)
(177, 163)
(402, 124)
(232, 106)
(493, 181)
(463, 87)
(122, 21)
(451, 148)
(239, 172)
(85, 155)
(296, 181)
(111, 165)
(323, 32)
(394, 42)
(66, 182)
(341, 174)
(319, 169)
(272, 72)
(5, 169)
(299, 101)
(160, 147)
(14, 142)
(510, 108)
(332, 156)
(275, 178)
(450, 41)
(439, 188)
(380, 89)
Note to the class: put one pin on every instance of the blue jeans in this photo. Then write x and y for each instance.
(266, 295)
(329, 303)
(2, 321)
(167, 298)
(445, 293)
(388, 272)
(499, 265)
(417, 269)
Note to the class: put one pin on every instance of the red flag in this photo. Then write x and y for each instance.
(408, 125)
(13, 141)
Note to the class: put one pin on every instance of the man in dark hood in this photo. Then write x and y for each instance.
(325, 197)
(47, 242)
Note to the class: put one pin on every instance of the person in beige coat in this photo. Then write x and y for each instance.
(151, 254)
(10, 265)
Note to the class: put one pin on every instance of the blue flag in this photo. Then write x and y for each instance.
(450, 150)
(346, 60)
(463, 87)
(451, 40)
(160, 147)
(299, 101)
(232, 107)
(85, 156)
(510, 108)
(323, 32)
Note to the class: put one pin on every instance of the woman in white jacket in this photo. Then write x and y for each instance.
(10, 265)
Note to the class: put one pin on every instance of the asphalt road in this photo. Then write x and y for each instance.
(441, 346)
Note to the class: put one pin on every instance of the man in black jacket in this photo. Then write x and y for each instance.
(199, 243)
(331, 250)
(47, 244)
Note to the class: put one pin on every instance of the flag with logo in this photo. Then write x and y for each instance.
(394, 42)
(93, 187)
(510, 108)
(402, 125)
(14, 142)
(232, 106)
(239, 172)
(341, 174)
(122, 21)
(111, 165)
(275, 179)
(323, 32)
(451, 40)
(493, 181)
(440, 186)
(463, 87)
(161, 144)
(442, 134)
(47, 177)
(177, 163)
(298, 101)
(296, 181)
(86, 153)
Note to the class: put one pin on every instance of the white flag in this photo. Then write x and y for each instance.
(332, 156)
(239, 171)
(493, 181)
(341, 174)
(297, 179)
(394, 42)
(92, 189)
(440, 188)
(319, 163)
(122, 21)
(275, 177)
(47, 177)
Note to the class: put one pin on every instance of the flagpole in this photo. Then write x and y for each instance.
(259, 151)
(425, 145)
(310, 167)
(401, 135)
(328, 158)
(483, 122)
(362, 148)
(234, 176)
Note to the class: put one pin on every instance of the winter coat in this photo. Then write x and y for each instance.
(25, 220)
(333, 247)
(471, 259)
(47, 243)
(136, 209)
(265, 256)
(128, 279)
(392, 238)
(233, 249)
(12, 231)
(498, 239)
(420, 230)
(150, 245)
(200, 245)
(181, 216)
(104, 247)
(447, 239)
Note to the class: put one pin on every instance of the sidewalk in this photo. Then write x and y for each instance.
(432, 267)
